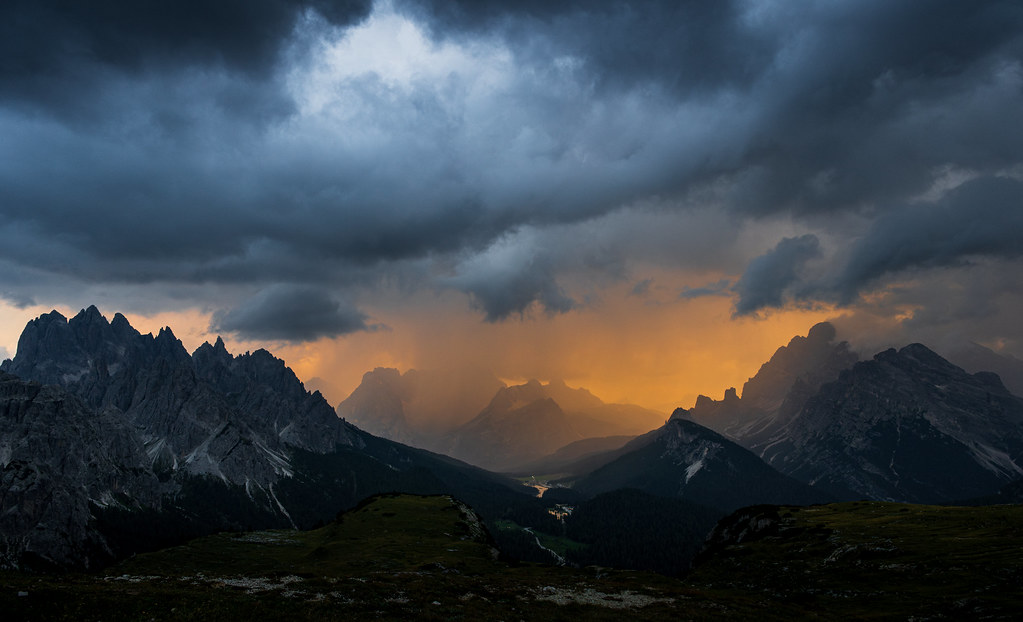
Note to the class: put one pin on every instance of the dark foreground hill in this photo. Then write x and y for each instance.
(873, 560)
(405, 557)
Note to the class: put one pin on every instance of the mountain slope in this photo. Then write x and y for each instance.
(575, 457)
(870, 560)
(775, 394)
(691, 462)
(377, 405)
(58, 460)
(906, 426)
(203, 443)
(520, 423)
(976, 358)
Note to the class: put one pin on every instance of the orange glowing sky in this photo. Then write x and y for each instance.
(646, 203)
(625, 350)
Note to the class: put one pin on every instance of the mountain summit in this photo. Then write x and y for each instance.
(777, 391)
(906, 426)
(131, 443)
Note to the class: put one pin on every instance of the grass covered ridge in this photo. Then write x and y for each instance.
(412, 557)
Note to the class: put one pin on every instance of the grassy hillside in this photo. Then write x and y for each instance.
(409, 557)
(872, 559)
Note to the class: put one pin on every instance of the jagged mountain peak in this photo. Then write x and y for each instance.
(216, 443)
(906, 425)
(89, 315)
(384, 374)
(215, 352)
(778, 389)
(802, 356)
(823, 332)
(516, 396)
(921, 354)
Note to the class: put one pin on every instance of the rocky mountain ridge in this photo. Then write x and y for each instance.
(131, 440)
(685, 460)
(776, 393)
(906, 426)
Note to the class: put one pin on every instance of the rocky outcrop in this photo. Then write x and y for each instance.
(906, 426)
(772, 397)
(133, 443)
(205, 414)
(58, 460)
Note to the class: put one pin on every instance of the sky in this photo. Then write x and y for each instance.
(643, 198)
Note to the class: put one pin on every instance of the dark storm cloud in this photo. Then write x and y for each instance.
(215, 143)
(53, 49)
(291, 313)
(678, 44)
(507, 283)
(768, 277)
(641, 288)
(980, 218)
(848, 102)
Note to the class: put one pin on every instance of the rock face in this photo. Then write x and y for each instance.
(688, 461)
(906, 426)
(214, 414)
(58, 458)
(133, 435)
(772, 397)
(378, 405)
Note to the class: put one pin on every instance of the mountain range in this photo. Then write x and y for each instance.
(514, 428)
(418, 407)
(907, 425)
(113, 442)
(132, 442)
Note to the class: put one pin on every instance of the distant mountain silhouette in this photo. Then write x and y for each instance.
(974, 358)
(526, 422)
(905, 426)
(512, 426)
(418, 407)
(576, 458)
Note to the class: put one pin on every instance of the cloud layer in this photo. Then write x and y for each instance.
(296, 158)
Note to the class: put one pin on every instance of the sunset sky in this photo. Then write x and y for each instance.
(642, 198)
